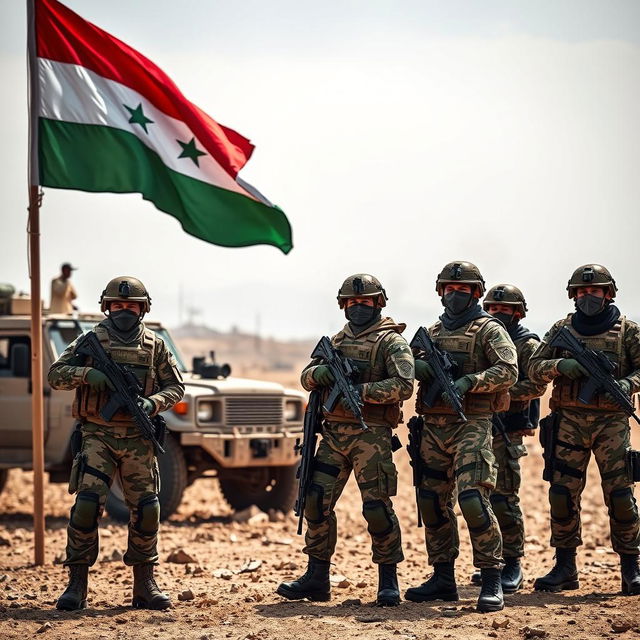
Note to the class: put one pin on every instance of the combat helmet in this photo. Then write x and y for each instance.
(507, 294)
(591, 275)
(362, 285)
(125, 289)
(460, 273)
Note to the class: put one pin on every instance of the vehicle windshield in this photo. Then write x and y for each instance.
(64, 332)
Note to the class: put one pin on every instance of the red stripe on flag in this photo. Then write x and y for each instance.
(64, 36)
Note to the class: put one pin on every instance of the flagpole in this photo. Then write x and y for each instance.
(37, 396)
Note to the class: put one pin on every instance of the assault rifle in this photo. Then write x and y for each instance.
(443, 367)
(599, 368)
(415, 425)
(126, 393)
(307, 449)
(344, 373)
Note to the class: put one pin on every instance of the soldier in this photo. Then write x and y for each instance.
(385, 363)
(457, 452)
(116, 447)
(599, 426)
(506, 303)
(63, 293)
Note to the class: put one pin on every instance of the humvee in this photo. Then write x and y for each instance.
(242, 431)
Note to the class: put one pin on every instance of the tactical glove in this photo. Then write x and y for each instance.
(98, 380)
(323, 376)
(147, 405)
(625, 385)
(462, 385)
(572, 369)
(424, 372)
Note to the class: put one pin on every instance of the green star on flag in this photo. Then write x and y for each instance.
(138, 117)
(189, 150)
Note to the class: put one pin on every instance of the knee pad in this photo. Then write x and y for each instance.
(430, 509)
(148, 516)
(561, 503)
(622, 506)
(376, 514)
(502, 509)
(313, 508)
(474, 510)
(85, 512)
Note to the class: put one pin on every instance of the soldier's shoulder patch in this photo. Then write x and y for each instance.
(506, 353)
(405, 368)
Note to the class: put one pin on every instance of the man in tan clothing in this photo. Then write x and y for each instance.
(63, 292)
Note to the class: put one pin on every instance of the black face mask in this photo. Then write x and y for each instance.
(590, 305)
(505, 318)
(360, 315)
(456, 302)
(124, 320)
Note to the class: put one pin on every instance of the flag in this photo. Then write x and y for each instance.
(108, 119)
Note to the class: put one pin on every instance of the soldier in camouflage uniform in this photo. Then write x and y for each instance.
(385, 365)
(599, 427)
(116, 447)
(506, 303)
(460, 453)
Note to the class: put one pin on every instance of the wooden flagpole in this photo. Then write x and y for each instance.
(35, 198)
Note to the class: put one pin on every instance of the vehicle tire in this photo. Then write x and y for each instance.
(173, 481)
(4, 476)
(268, 488)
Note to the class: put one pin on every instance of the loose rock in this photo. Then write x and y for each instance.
(180, 556)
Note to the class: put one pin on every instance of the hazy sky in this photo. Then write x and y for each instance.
(397, 136)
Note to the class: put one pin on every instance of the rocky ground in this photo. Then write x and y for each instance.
(224, 574)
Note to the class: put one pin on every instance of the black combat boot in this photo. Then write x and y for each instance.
(388, 590)
(314, 584)
(75, 595)
(146, 593)
(563, 576)
(511, 577)
(440, 586)
(630, 574)
(476, 577)
(491, 598)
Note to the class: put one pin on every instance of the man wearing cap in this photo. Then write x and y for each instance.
(63, 292)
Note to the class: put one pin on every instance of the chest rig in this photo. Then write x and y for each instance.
(611, 343)
(365, 352)
(139, 357)
(467, 352)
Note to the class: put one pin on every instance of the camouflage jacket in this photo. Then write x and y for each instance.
(486, 356)
(524, 389)
(543, 366)
(385, 363)
(161, 380)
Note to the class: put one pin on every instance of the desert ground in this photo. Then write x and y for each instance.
(222, 570)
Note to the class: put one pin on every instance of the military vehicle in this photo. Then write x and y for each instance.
(242, 431)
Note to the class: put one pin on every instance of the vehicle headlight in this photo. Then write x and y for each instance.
(292, 410)
(209, 411)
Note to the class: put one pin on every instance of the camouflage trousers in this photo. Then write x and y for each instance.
(459, 453)
(343, 448)
(504, 498)
(106, 452)
(607, 435)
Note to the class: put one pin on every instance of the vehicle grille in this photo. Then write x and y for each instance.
(253, 410)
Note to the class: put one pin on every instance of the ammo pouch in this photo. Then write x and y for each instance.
(632, 461)
(77, 471)
(516, 451)
(395, 443)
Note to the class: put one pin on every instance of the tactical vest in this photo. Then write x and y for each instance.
(611, 343)
(139, 357)
(364, 351)
(469, 355)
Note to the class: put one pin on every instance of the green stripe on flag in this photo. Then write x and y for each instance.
(99, 158)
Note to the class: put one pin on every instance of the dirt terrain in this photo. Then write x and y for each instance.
(227, 589)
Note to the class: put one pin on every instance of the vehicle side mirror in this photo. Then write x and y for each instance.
(20, 361)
